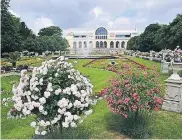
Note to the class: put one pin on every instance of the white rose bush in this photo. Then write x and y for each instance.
(56, 93)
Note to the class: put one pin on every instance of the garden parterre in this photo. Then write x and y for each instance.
(116, 65)
(101, 124)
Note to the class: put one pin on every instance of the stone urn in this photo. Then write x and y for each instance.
(173, 97)
(175, 67)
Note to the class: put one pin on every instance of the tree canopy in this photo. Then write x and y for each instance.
(10, 39)
(50, 31)
(132, 43)
(51, 39)
(16, 36)
(157, 37)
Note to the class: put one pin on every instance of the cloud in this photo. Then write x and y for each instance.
(121, 21)
(41, 22)
(14, 13)
(91, 14)
(141, 20)
(110, 24)
(97, 11)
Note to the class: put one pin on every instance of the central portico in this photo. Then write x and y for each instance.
(99, 39)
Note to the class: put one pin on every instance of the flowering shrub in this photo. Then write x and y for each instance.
(55, 92)
(133, 91)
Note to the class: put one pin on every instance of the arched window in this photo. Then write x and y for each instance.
(85, 44)
(101, 33)
(111, 44)
(105, 44)
(80, 44)
(74, 45)
(97, 44)
(122, 44)
(101, 44)
(117, 44)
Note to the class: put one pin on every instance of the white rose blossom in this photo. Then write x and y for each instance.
(65, 124)
(33, 124)
(46, 94)
(43, 133)
(42, 100)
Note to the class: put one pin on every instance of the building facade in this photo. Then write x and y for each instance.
(99, 39)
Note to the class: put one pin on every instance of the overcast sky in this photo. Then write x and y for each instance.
(94, 13)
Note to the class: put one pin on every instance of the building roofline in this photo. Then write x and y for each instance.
(84, 30)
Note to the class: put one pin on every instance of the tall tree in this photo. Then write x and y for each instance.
(132, 43)
(25, 32)
(175, 32)
(43, 43)
(31, 44)
(161, 38)
(51, 39)
(49, 31)
(157, 37)
(10, 39)
(146, 40)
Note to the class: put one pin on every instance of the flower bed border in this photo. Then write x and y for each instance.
(139, 64)
(89, 62)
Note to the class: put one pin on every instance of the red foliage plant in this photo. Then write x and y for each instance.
(134, 91)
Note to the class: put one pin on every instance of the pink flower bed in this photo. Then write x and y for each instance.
(133, 91)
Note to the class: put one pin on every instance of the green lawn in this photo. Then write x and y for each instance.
(147, 63)
(98, 77)
(13, 128)
(101, 124)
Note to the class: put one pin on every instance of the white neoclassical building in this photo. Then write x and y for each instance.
(99, 39)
